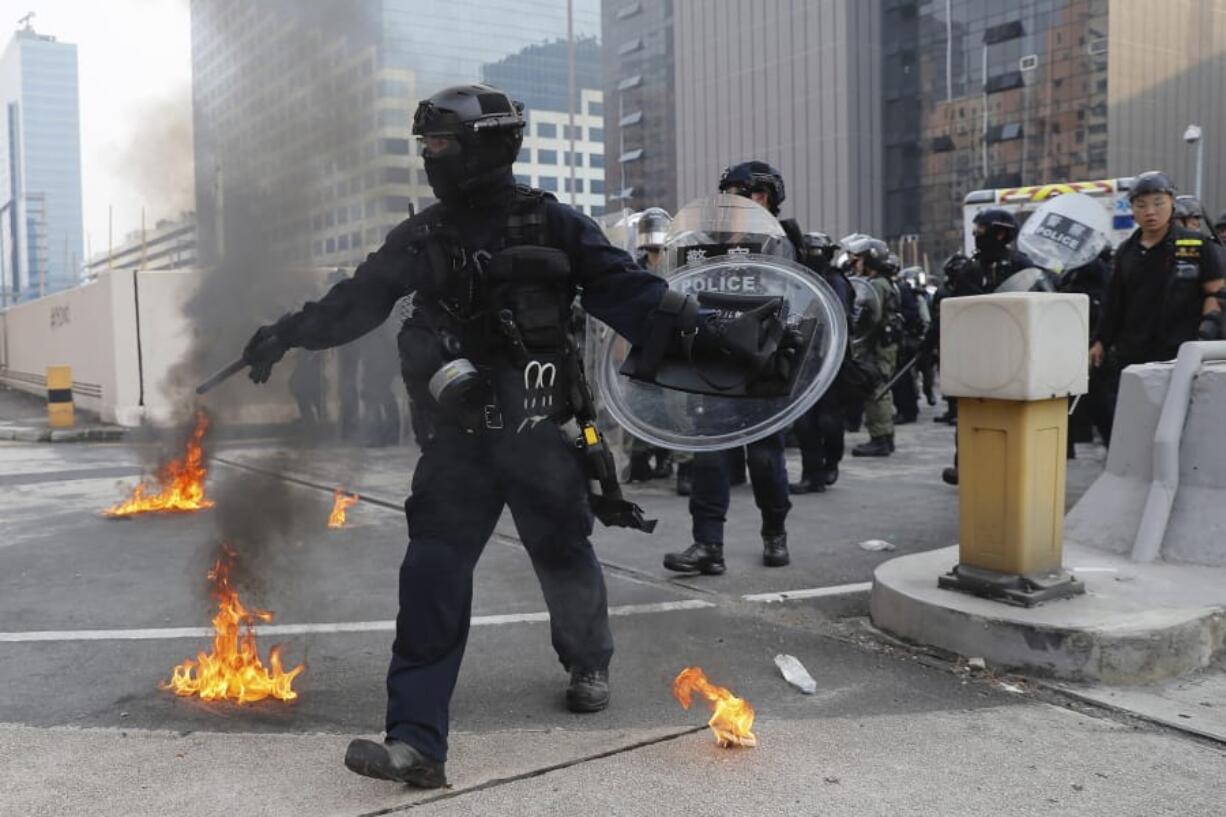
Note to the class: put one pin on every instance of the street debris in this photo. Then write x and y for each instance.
(178, 485)
(795, 673)
(732, 718)
(876, 545)
(340, 503)
(976, 663)
(233, 671)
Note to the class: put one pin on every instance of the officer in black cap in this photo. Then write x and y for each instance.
(493, 370)
(820, 431)
(711, 472)
(1165, 288)
(1219, 227)
(993, 262)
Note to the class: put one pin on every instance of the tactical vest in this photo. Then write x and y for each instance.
(507, 312)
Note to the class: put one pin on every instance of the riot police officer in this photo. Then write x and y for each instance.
(913, 303)
(493, 371)
(820, 430)
(711, 472)
(994, 260)
(1165, 287)
(872, 258)
(1219, 226)
(1188, 212)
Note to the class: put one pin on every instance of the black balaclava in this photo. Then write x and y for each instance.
(466, 177)
(992, 243)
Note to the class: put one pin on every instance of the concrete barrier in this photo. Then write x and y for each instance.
(1108, 515)
(126, 338)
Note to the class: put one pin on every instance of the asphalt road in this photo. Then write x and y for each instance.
(95, 612)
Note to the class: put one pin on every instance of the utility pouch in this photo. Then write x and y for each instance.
(533, 283)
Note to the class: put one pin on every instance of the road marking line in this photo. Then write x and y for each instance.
(811, 593)
(150, 634)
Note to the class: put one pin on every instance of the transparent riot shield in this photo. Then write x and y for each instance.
(717, 249)
(1067, 232)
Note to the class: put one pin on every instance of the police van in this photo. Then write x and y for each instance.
(1022, 201)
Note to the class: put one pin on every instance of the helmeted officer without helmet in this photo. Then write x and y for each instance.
(492, 371)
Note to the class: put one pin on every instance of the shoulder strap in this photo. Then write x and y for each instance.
(526, 223)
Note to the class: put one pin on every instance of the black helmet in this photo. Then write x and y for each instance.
(1155, 181)
(954, 265)
(1187, 207)
(652, 228)
(751, 177)
(873, 251)
(819, 248)
(1221, 221)
(480, 130)
(995, 218)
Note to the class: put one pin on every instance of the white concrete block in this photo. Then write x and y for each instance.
(1015, 346)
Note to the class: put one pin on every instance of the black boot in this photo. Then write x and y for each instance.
(640, 468)
(808, 485)
(588, 690)
(394, 760)
(876, 447)
(831, 474)
(775, 549)
(664, 464)
(890, 437)
(697, 558)
(903, 419)
(685, 480)
(950, 476)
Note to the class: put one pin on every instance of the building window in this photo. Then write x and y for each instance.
(396, 204)
(342, 215)
(525, 155)
(578, 185)
(549, 183)
(1003, 32)
(547, 157)
(523, 178)
(630, 47)
(398, 175)
(595, 109)
(631, 156)
(1004, 82)
(635, 118)
(330, 245)
(942, 144)
(595, 160)
(630, 82)
(578, 132)
(597, 187)
(546, 130)
(577, 161)
(396, 147)
(393, 118)
(1005, 133)
(342, 243)
(355, 212)
(317, 248)
(595, 134)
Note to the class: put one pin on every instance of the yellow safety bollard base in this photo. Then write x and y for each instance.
(1011, 478)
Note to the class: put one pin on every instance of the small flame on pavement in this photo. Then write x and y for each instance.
(732, 718)
(178, 486)
(233, 670)
(340, 504)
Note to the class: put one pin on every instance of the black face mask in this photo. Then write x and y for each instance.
(990, 244)
(446, 176)
(465, 176)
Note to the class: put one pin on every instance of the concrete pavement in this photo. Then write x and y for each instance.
(87, 731)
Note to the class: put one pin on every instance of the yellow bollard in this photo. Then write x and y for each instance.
(1013, 360)
(59, 397)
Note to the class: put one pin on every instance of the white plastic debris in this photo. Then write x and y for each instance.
(795, 673)
(976, 663)
(876, 544)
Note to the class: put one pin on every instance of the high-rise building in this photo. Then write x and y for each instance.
(794, 84)
(641, 126)
(983, 94)
(302, 110)
(41, 225)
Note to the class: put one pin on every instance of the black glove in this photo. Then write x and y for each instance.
(751, 338)
(263, 351)
(1210, 327)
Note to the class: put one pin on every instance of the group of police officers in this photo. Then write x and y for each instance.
(493, 372)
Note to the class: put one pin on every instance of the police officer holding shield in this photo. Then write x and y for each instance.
(711, 471)
(493, 371)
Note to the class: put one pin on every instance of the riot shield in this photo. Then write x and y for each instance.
(866, 311)
(1031, 279)
(1066, 232)
(718, 249)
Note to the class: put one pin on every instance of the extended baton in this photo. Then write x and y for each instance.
(897, 376)
(226, 373)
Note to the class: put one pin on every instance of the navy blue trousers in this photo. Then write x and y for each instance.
(711, 491)
(460, 487)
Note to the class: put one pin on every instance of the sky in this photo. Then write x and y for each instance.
(134, 66)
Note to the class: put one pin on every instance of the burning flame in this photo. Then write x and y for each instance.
(336, 519)
(733, 716)
(233, 670)
(177, 486)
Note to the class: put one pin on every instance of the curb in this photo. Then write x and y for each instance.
(34, 434)
(1154, 646)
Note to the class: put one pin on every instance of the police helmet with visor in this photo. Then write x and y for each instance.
(747, 178)
(652, 228)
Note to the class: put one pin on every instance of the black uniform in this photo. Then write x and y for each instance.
(1154, 301)
(1095, 408)
(518, 457)
(820, 431)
